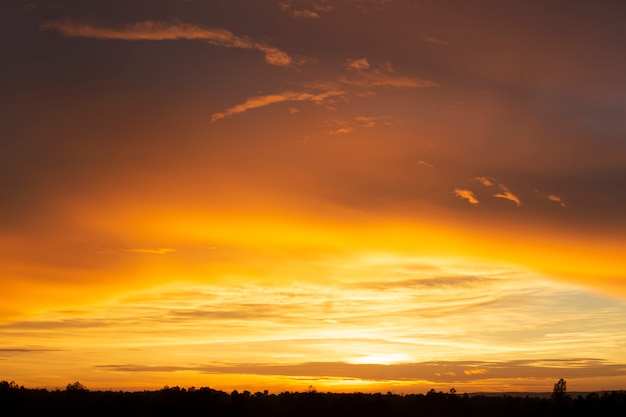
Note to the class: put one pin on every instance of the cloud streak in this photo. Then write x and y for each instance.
(486, 181)
(262, 101)
(508, 195)
(556, 199)
(383, 76)
(433, 371)
(158, 31)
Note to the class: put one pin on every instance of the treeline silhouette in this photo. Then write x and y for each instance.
(77, 400)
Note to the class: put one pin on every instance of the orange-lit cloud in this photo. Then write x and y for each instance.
(359, 122)
(156, 31)
(379, 78)
(486, 181)
(262, 101)
(383, 76)
(341, 130)
(556, 199)
(425, 164)
(358, 64)
(317, 8)
(508, 195)
(466, 195)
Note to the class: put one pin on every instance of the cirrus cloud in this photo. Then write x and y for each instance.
(157, 31)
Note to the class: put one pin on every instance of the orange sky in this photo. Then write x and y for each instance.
(357, 195)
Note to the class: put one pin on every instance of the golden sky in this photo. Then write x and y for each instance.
(366, 195)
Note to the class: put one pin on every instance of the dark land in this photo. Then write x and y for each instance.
(77, 400)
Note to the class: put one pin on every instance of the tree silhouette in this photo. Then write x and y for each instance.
(76, 386)
(560, 390)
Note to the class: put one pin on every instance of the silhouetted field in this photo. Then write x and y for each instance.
(76, 400)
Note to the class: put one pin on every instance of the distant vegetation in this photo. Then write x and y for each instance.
(77, 400)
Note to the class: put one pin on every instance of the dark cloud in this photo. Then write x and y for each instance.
(436, 371)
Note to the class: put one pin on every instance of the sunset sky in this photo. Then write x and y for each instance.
(358, 195)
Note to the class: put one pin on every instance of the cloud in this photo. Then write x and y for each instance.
(154, 251)
(359, 122)
(262, 101)
(158, 31)
(467, 195)
(367, 121)
(556, 199)
(508, 195)
(486, 181)
(341, 130)
(435, 41)
(425, 164)
(25, 350)
(383, 76)
(379, 78)
(433, 371)
(357, 64)
(305, 13)
(318, 8)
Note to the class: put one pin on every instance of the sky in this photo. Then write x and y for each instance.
(354, 195)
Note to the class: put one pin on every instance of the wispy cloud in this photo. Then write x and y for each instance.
(262, 101)
(158, 31)
(153, 251)
(341, 130)
(312, 11)
(382, 76)
(504, 190)
(425, 164)
(359, 122)
(556, 199)
(466, 195)
(357, 64)
(486, 181)
(508, 195)
(435, 41)
(394, 311)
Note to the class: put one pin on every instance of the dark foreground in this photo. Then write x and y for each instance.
(76, 400)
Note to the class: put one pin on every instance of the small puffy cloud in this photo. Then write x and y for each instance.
(262, 101)
(556, 199)
(294, 110)
(467, 195)
(157, 31)
(486, 181)
(358, 64)
(508, 195)
(425, 164)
